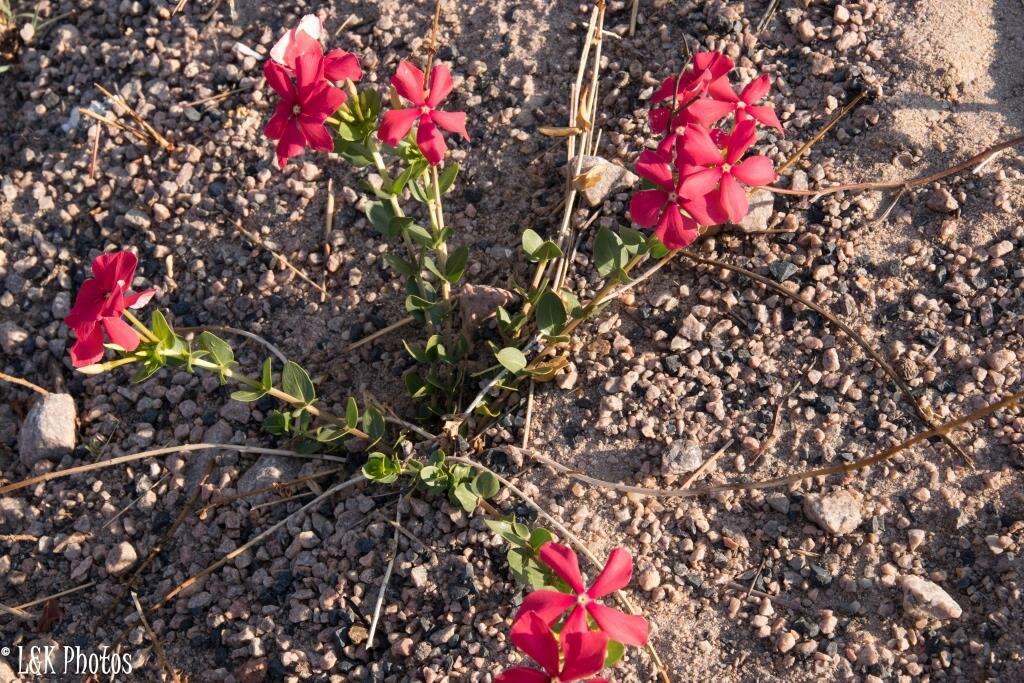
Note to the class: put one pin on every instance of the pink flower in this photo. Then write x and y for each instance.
(663, 209)
(718, 172)
(584, 653)
(745, 106)
(709, 69)
(551, 604)
(339, 65)
(408, 81)
(298, 121)
(100, 302)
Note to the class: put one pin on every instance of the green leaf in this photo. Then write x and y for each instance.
(380, 215)
(539, 537)
(614, 653)
(448, 177)
(329, 433)
(373, 424)
(455, 266)
(247, 396)
(550, 313)
(267, 375)
(277, 423)
(400, 265)
(382, 468)
(420, 235)
(160, 328)
(466, 497)
(487, 485)
(434, 477)
(219, 350)
(351, 413)
(539, 249)
(609, 254)
(655, 248)
(512, 359)
(295, 381)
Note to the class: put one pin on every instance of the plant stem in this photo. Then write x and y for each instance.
(143, 330)
(415, 254)
(437, 219)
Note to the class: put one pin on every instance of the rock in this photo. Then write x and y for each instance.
(12, 337)
(787, 641)
(649, 579)
(999, 360)
(782, 270)
(1000, 249)
(120, 558)
(7, 674)
(762, 205)
(805, 31)
(692, 328)
(837, 513)
(681, 458)
(477, 303)
(269, 469)
(219, 432)
(49, 430)
(923, 598)
(599, 177)
(941, 201)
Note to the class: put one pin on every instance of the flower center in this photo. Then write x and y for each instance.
(296, 110)
(582, 599)
(741, 104)
(680, 130)
(726, 168)
(424, 109)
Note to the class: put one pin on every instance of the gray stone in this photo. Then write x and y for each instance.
(681, 458)
(12, 337)
(941, 201)
(120, 558)
(48, 432)
(837, 513)
(219, 432)
(762, 205)
(477, 303)
(923, 598)
(599, 177)
(269, 469)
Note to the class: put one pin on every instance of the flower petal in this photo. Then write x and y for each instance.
(88, 347)
(765, 115)
(646, 205)
(316, 134)
(584, 655)
(743, 135)
(440, 85)
(534, 637)
(615, 575)
(139, 299)
(666, 90)
(659, 118)
(340, 65)
(700, 148)
(654, 167)
(707, 112)
(291, 144)
(395, 125)
(88, 304)
(113, 268)
(733, 199)
(548, 604)
(675, 230)
(311, 26)
(277, 78)
(721, 89)
(564, 563)
(430, 141)
(700, 183)
(755, 170)
(408, 81)
(322, 101)
(756, 89)
(716, 63)
(309, 72)
(451, 121)
(576, 623)
(279, 121)
(522, 674)
(705, 210)
(625, 628)
(121, 333)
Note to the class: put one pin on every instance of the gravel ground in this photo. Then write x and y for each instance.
(909, 571)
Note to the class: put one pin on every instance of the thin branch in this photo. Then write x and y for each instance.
(16, 613)
(242, 333)
(55, 596)
(258, 241)
(4, 377)
(387, 577)
(185, 448)
(911, 183)
(836, 118)
(160, 654)
(379, 333)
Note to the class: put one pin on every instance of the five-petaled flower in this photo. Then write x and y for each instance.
(683, 92)
(408, 82)
(551, 604)
(716, 170)
(338, 65)
(100, 303)
(663, 209)
(583, 653)
(745, 105)
(306, 102)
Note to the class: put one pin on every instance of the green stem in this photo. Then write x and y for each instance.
(143, 330)
(437, 221)
(415, 254)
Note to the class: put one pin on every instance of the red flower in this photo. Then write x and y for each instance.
(718, 172)
(339, 65)
(99, 305)
(584, 653)
(745, 105)
(663, 209)
(551, 604)
(298, 121)
(709, 69)
(408, 81)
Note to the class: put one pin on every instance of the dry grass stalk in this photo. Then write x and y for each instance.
(157, 645)
(258, 241)
(375, 620)
(4, 377)
(242, 333)
(379, 333)
(150, 131)
(57, 596)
